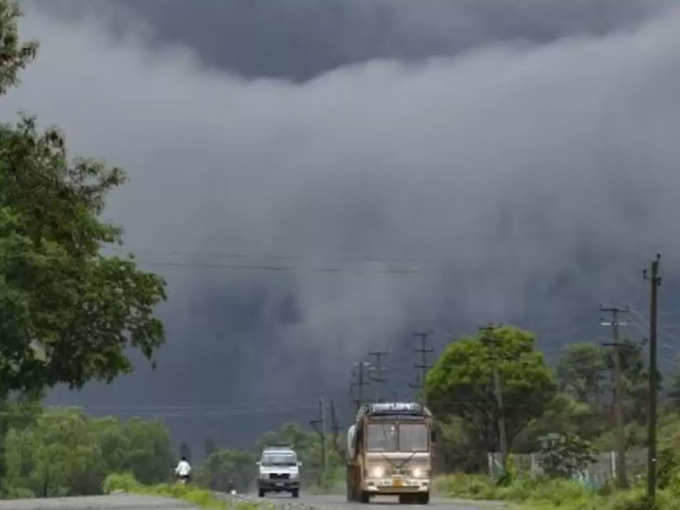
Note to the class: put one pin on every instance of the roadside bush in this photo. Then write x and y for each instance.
(461, 485)
(18, 493)
(564, 455)
(119, 482)
(191, 494)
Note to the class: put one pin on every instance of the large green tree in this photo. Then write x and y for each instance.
(585, 371)
(65, 452)
(14, 55)
(582, 372)
(67, 312)
(462, 384)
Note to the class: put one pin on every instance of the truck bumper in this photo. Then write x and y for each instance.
(278, 485)
(392, 487)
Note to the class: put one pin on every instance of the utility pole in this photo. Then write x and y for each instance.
(621, 475)
(377, 375)
(359, 372)
(322, 436)
(487, 338)
(423, 366)
(336, 434)
(655, 282)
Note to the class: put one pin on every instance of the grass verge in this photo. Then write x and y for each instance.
(551, 494)
(203, 498)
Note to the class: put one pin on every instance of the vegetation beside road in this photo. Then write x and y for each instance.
(126, 482)
(60, 452)
(548, 494)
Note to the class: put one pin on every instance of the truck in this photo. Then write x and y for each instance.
(389, 452)
(278, 471)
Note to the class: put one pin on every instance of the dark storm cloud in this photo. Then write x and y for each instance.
(302, 38)
(516, 183)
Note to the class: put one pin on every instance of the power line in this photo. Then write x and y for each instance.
(360, 372)
(377, 375)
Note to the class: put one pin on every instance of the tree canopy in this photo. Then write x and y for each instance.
(65, 452)
(67, 312)
(461, 383)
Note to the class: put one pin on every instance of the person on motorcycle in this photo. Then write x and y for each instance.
(183, 470)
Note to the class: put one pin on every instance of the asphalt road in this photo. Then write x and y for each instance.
(117, 502)
(379, 503)
(285, 502)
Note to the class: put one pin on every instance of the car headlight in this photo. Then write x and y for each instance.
(377, 471)
(419, 472)
(294, 476)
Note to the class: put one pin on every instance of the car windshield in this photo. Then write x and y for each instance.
(413, 437)
(279, 459)
(381, 437)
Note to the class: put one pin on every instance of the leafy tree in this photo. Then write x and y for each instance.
(67, 312)
(462, 383)
(58, 456)
(289, 434)
(582, 372)
(17, 410)
(150, 456)
(674, 390)
(64, 452)
(635, 379)
(585, 371)
(227, 469)
(456, 449)
(564, 415)
(13, 55)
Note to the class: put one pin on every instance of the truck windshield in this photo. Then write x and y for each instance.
(381, 437)
(279, 459)
(413, 437)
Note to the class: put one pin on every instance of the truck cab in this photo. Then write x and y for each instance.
(279, 471)
(389, 449)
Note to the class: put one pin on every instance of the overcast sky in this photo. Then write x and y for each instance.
(320, 179)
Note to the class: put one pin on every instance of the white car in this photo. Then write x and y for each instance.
(279, 471)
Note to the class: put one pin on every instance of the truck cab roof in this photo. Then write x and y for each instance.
(404, 409)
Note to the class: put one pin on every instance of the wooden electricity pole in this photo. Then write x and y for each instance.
(655, 282)
(621, 475)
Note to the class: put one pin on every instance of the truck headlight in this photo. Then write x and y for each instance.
(419, 473)
(377, 471)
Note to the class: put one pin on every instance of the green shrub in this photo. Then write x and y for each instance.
(18, 493)
(189, 493)
(120, 482)
(461, 485)
(564, 455)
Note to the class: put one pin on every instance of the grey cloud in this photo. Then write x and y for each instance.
(522, 184)
(301, 38)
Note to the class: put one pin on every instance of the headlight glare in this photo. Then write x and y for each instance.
(419, 472)
(377, 471)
